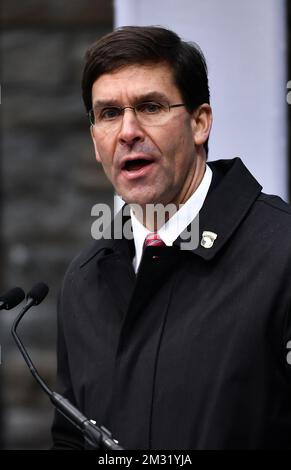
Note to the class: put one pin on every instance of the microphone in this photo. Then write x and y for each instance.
(11, 298)
(95, 436)
(38, 293)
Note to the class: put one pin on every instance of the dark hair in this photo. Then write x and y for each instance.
(131, 45)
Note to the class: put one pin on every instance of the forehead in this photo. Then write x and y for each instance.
(134, 81)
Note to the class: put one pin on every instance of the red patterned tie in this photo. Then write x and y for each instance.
(153, 239)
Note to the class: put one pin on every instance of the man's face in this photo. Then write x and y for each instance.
(145, 164)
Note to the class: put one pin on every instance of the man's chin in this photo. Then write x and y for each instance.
(139, 199)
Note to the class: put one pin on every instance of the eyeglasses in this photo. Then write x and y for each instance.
(147, 113)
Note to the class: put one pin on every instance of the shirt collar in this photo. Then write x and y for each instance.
(170, 231)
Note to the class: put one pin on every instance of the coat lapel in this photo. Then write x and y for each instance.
(117, 270)
(232, 193)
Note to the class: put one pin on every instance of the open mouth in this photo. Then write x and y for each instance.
(137, 164)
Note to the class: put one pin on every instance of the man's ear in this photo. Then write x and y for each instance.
(97, 156)
(201, 123)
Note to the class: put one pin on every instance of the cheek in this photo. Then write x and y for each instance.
(176, 140)
(104, 154)
(178, 150)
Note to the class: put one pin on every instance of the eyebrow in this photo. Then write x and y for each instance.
(150, 96)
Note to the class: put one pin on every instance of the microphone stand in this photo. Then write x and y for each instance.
(98, 437)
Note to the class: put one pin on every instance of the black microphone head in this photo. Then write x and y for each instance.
(12, 298)
(38, 293)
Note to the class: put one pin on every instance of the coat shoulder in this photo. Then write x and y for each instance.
(275, 214)
(270, 219)
(84, 256)
(276, 205)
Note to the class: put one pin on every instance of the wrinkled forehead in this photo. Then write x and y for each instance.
(135, 82)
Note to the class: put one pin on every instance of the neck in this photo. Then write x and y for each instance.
(192, 182)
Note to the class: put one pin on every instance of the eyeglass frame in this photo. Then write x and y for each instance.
(122, 109)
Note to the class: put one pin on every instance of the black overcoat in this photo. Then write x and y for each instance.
(192, 353)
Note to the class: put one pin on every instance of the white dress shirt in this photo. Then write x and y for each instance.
(170, 231)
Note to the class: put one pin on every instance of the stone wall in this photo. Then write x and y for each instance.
(49, 182)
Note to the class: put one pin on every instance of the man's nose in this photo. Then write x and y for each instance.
(130, 131)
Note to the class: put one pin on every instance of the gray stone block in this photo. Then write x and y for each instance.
(50, 12)
(32, 57)
(39, 108)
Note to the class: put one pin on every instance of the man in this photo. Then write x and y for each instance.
(174, 346)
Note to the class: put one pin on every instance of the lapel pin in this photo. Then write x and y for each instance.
(208, 238)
